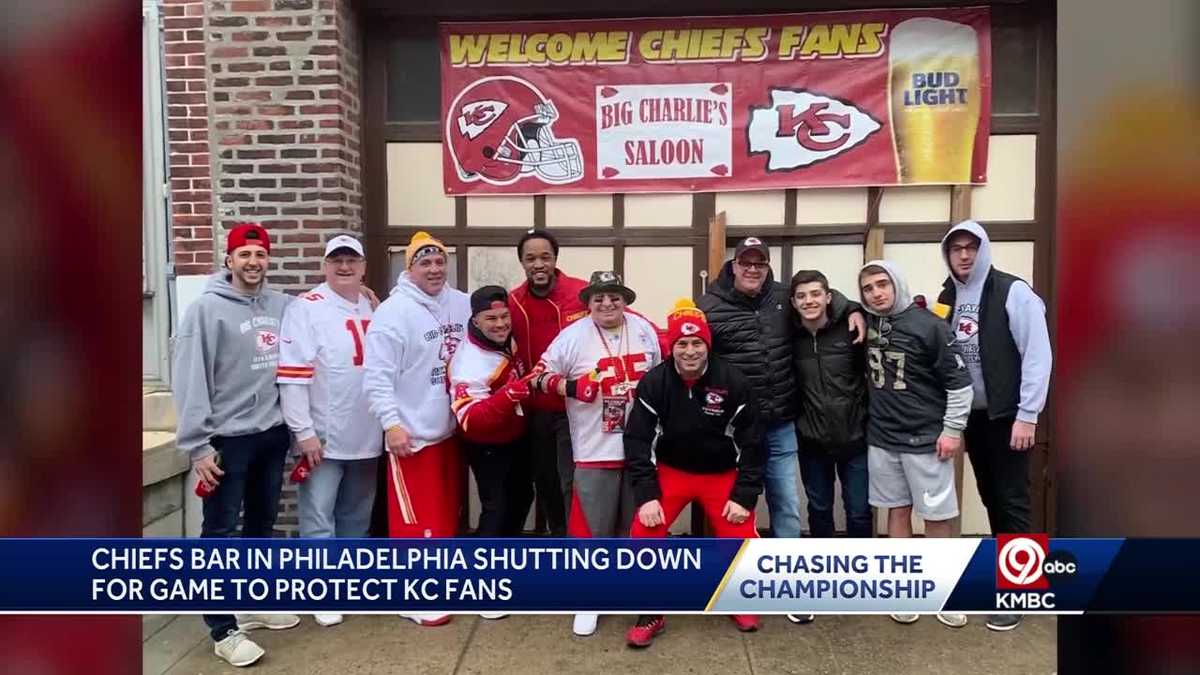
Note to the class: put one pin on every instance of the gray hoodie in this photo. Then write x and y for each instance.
(226, 355)
(1026, 322)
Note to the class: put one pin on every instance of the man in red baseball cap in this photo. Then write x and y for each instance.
(230, 422)
(684, 407)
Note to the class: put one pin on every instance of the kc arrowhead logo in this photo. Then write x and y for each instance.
(800, 128)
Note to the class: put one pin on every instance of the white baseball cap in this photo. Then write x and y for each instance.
(344, 241)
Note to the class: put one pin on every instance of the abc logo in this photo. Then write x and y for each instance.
(1060, 565)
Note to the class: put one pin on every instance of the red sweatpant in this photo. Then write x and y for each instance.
(425, 491)
(710, 491)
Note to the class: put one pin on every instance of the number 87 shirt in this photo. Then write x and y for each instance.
(322, 340)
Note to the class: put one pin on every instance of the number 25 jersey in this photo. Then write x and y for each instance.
(619, 361)
(322, 342)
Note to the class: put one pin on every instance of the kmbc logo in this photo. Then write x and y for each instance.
(1019, 561)
(1024, 569)
(800, 128)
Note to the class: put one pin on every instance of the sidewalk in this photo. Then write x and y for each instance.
(536, 645)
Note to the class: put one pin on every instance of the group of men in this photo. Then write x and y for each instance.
(557, 390)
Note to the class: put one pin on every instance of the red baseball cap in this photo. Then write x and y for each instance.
(248, 234)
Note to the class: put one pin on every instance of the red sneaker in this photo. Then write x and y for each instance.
(643, 633)
(747, 623)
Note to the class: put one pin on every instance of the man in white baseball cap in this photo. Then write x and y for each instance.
(320, 386)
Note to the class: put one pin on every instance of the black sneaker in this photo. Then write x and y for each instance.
(801, 618)
(1003, 622)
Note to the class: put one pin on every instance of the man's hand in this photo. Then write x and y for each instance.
(208, 471)
(371, 297)
(311, 449)
(735, 513)
(517, 391)
(858, 326)
(584, 389)
(398, 442)
(1022, 435)
(651, 514)
(948, 447)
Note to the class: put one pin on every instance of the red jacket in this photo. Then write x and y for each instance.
(476, 374)
(537, 321)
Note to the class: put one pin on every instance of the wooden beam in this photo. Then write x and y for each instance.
(873, 246)
(960, 210)
(716, 245)
(960, 203)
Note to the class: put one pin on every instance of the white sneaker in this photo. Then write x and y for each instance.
(492, 616)
(427, 619)
(248, 622)
(585, 624)
(801, 618)
(953, 620)
(327, 619)
(905, 618)
(237, 649)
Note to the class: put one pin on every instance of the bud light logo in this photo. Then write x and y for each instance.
(1020, 561)
(936, 89)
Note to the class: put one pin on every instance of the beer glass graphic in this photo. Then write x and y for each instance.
(933, 84)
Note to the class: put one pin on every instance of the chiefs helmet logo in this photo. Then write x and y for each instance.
(477, 116)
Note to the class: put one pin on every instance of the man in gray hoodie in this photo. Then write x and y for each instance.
(1000, 325)
(230, 422)
(920, 395)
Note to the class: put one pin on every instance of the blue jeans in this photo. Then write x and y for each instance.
(818, 471)
(253, 466)
(783, 498)
(337, 499)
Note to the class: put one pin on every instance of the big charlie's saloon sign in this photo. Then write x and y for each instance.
(832, 99)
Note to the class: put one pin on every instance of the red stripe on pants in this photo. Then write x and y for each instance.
(710, 491)
(577, 525)
(431, 485)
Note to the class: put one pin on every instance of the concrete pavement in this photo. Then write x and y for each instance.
(536, 645)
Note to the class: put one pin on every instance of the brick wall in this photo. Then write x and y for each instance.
(285, 126)
(264, 124)
(187, 130)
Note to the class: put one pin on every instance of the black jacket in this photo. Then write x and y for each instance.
(998, 353)
(756, 335)
(710, 428)
(831, 376)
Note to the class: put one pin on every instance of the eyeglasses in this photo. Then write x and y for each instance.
(960, 249)
(754, 265)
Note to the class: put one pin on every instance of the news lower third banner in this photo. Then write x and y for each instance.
(1020, 573)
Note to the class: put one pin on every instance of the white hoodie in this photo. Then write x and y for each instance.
(412, 337)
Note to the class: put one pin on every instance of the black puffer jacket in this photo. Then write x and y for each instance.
(755, 335)
(831, 372)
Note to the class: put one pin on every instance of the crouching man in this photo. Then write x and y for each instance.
(709, 447)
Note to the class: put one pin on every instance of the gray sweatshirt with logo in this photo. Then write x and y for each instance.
(226, 355)
(1026, 322)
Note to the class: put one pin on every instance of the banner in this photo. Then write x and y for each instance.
(828, 99)
(1019, 574)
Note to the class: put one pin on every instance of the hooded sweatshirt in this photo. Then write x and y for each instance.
(226, 354)
(1016, 333)
(411, 339)
(918, 383)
